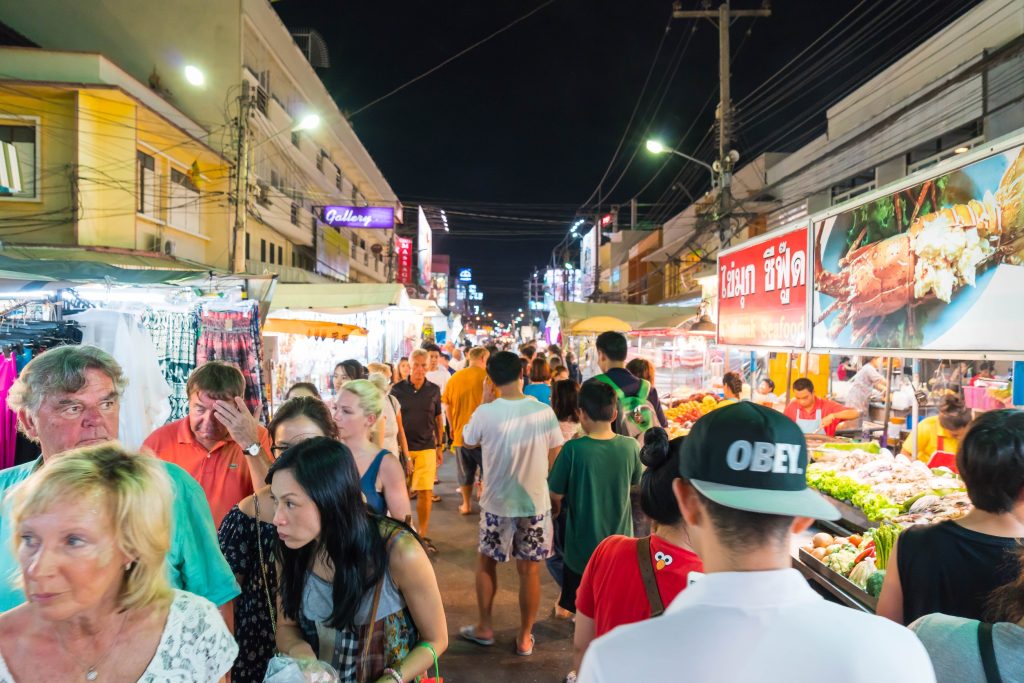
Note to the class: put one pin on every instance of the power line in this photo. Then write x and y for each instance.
(450, 59)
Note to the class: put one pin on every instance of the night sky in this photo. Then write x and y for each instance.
(525, 125)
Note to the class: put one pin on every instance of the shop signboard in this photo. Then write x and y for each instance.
(374, 217)
(332, 252)
(403, 258)
(931, 266)
(424, 251)
(762, 291)
(588, 262)
(465, 274)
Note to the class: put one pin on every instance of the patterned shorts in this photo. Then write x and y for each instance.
(522, 538)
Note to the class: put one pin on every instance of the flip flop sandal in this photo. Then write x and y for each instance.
(526, 653)
(436, 499)
(469, 633)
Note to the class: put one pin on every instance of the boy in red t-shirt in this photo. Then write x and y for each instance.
(613, 591)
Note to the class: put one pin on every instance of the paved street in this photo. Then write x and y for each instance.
(456, 538)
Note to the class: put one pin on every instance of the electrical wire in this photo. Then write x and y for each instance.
(450, 59)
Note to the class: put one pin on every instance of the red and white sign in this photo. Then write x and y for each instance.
(762, 291)
(403, 251)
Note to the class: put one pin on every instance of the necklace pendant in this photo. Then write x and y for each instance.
(91, 675)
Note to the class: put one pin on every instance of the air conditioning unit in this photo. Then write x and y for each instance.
(169, 247)
(262, 194)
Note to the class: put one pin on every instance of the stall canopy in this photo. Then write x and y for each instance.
(600, 323)
(570, 313)
(321, 329)
(426, 307)
(48, 270)
(339, 298)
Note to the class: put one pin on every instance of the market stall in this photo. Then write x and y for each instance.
(943, 243)
(374, 322)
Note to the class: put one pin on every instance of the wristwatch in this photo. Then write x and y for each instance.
(253, 449)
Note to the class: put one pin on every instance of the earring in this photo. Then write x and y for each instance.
(128, 567)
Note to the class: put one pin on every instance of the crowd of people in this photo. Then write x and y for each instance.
(226, 547)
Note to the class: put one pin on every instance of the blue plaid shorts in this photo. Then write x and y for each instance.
(521, 538)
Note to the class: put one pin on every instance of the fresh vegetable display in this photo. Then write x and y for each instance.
(856, 557)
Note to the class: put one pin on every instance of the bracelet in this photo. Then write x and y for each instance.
(395, 675)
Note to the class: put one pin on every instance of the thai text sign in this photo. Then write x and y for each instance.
(403, 251)
(382, 217)
(762, 291)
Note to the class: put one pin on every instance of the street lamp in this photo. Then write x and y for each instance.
(308, 122)
(195, 76)
(655, 147)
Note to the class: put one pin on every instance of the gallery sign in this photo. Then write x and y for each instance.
(376, 217)
(762, 291)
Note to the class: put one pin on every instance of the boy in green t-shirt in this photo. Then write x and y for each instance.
(594, 473)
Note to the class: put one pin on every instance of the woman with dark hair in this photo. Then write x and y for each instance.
(951, 566)
(953, 643)
(641, 368)
(248, 537)
(574, 367)
(346, 371)
(614, 591)
(938, 436)
(301, 389)
(540, 381)
(564, 396)
(355, 587)
(732, 385)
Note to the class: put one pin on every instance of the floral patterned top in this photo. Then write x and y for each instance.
(254, 629)
(195, 646)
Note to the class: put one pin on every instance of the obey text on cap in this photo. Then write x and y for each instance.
(762, 456)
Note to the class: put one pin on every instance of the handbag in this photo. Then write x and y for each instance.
(988, 654)
(643, 556)
(263, 566)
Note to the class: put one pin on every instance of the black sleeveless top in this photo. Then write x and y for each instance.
(946, 568)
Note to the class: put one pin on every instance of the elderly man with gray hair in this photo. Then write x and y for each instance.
(69, 397)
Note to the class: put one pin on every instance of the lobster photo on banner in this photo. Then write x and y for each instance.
(936, 266)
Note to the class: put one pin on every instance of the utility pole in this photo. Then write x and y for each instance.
(726, 157)
(241, 182)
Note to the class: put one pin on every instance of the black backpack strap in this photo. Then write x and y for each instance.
(643, 556)
(988, 654)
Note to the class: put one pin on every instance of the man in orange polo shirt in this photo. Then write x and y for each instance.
(463, 394)
(219, 442)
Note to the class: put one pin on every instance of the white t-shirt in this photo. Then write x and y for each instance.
(439, 377)
(757, 626)
(515, 437)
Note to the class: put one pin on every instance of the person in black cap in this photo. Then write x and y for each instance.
(743, 494)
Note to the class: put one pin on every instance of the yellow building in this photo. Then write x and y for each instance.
(93, 158)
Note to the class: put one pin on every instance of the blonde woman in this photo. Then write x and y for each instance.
(93, 530)
(357, 409)
(390, 434)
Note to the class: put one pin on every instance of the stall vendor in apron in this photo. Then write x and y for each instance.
(867, 379)
(813, 414)
(939, 436)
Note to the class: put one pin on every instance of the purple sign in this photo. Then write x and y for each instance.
(360, 216)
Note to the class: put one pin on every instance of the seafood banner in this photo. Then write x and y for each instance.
(762, 292)
(933, 266)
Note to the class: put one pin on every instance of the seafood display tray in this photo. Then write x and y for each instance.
(847, 592)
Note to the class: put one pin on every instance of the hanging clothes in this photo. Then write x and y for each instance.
(227, 335)
(175, 334)
(8, 418)
(145, 403)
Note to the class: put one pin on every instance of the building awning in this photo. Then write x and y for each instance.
(635, 315)
(79, 272)
(122, 258)
(339, 298)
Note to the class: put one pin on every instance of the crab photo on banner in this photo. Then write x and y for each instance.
(937, 266)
